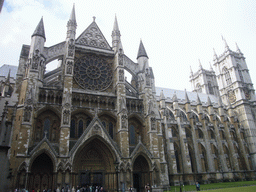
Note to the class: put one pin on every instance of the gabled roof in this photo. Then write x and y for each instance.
(93, 37)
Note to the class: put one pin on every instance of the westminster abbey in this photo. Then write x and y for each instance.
(84, 124)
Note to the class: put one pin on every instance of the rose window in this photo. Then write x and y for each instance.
(93, 73)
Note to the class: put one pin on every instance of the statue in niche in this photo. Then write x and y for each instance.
(153, 123)
(120, 58)
(36, 59)
(121, 75)
(66, 117)
(124, 121)
(69, 67)
(71, 47)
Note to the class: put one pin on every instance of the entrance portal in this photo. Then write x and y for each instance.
(141, 174)
(94, 164)
(41, 173)
(91, 178)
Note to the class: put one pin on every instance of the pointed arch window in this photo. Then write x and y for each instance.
(210, 88)
(80, 128)
(47, 123)
(132, 135)
(240, 73)
(198, 88)
(227, 75)
(110, 130)
(72, 128)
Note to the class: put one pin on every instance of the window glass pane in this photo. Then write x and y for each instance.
(132, 135)
(72, 129)
(80, 128)
(110, 130)
(47, 127)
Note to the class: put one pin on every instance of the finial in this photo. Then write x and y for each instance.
(45, 134)
(200, 65)
(226, 45)
(186, 97)
(237, 49)
(94, 18)
(211, 66)
(191, 70)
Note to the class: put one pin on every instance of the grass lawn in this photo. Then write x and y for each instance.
(237, 189)
(224, 185)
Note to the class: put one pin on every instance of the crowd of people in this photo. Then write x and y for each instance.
(67, 189)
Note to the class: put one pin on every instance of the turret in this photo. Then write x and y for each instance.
(36, 59)
(142, 57)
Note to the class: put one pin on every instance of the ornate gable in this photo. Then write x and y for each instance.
(92, 37)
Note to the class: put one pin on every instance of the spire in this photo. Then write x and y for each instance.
(198, 100)
(225, 42)
(209, 102)
(162, 97)
(73, 14)
(186, 97)
(8, 76)
(200, 65)
(142, 51)
(237, 49)
(191, 72)
(214, 54)
(116, 40)
(39, 31)
(115, 28)
(211, 66)
(174, 98)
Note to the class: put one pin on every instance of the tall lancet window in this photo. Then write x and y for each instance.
(80, 128)
(227, 75)
(72, 129)
(240, 73)
(132, 135)
(47, 127)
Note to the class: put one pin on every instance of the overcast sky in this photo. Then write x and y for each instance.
(176, 34)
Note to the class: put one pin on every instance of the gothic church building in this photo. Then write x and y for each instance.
(84, 124)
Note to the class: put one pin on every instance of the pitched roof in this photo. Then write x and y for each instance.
(181, 96)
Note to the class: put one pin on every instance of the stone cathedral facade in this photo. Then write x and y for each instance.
(85, 124)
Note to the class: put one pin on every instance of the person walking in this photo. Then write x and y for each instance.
(197, 186)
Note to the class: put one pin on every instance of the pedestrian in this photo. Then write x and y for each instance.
(147, 187)
(197, 186)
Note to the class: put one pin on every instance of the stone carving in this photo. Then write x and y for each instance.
(36, 59)
(93, 37)
(27, 113)
(124, 121)
(71, 47)
(147, 77)
(93, 73)
(96, 127)
(66, 114)
(120, 59)
(153, 123)
(69, 67)
(121, 75)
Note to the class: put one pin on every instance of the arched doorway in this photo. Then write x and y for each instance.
(141, 174)
(94, 165)
(41, 176)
